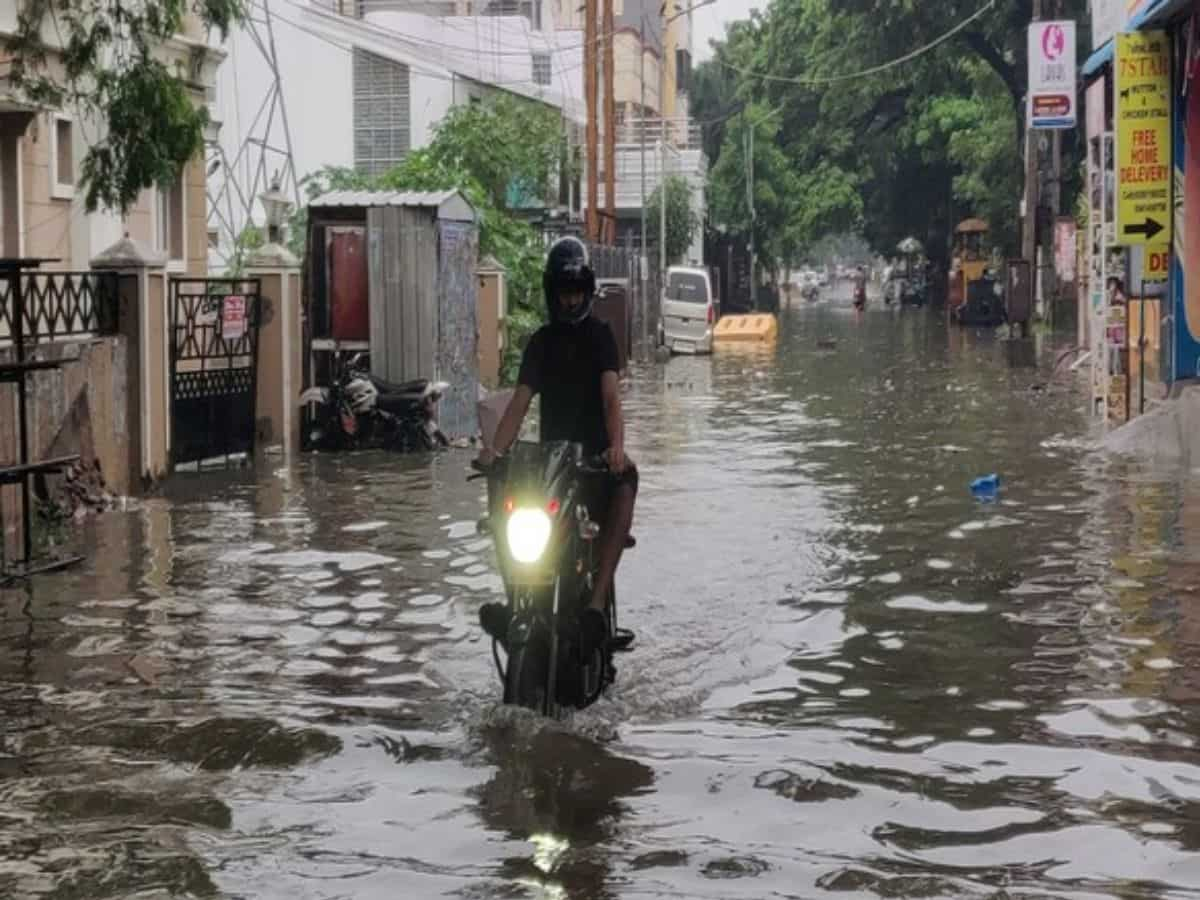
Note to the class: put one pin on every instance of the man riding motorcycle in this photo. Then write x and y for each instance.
(572, 363)
(860, 288)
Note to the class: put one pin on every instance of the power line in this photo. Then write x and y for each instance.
(875, 70)
(418, 67)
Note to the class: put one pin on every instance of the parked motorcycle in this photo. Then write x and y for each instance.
(359, 411)
(545, 538)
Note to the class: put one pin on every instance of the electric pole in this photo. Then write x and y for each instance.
(590, 89)
(1029, 228)
(642, 261)
(610, 130)
(662, 146)
(750, 205)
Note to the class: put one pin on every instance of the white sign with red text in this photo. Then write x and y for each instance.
(1052, 75)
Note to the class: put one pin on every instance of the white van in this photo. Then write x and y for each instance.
(690, 310)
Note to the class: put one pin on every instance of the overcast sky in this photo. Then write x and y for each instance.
(710, 21)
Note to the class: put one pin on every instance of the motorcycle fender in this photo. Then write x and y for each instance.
(315, 395)
(435, 389)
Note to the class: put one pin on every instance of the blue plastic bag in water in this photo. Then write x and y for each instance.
(986, 487)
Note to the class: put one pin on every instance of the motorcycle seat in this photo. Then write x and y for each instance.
(415, 387)
(398, 404)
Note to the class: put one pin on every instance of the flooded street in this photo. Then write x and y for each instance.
(851, 677)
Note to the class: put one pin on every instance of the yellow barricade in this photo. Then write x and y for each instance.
(757, 327)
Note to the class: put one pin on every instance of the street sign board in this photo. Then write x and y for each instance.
(1143, 126)
(1157, 264)
(1052, 75)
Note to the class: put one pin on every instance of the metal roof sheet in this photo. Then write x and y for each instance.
(452, 202)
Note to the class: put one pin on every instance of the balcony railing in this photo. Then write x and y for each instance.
(61, 306)
(686, 134)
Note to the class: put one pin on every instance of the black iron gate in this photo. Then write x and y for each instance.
(214, 367)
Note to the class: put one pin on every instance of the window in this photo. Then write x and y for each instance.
(687, 287)
(62, 159)
(542, 73)
(381, 112)
(530, 9)
(168, 221)
(683, 71)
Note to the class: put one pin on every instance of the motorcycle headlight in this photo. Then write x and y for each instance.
(528, 534)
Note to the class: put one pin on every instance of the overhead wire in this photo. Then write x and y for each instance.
(865, 73)
(418, 67)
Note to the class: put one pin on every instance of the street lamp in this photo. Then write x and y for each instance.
(276, 205)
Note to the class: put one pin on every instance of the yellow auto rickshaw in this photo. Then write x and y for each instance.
(970, 259)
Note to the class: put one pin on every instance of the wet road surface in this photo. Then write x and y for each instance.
(851, 678)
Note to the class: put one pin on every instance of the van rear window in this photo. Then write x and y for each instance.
(686, 287)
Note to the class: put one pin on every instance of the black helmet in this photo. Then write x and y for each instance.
(568, 268)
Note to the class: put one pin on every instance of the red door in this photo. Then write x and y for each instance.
(346, 263)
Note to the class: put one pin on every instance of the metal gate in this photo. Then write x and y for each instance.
(214, 367)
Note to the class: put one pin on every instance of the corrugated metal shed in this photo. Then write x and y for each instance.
(450, 205)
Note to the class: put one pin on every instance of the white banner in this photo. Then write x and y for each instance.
(1052, 75)
(1108, 17)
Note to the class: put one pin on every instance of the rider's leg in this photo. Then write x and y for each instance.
(617, 523)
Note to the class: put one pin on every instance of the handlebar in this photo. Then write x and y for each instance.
(593, 465)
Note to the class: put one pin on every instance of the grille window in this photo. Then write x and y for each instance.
(542, 73)
(381, 112)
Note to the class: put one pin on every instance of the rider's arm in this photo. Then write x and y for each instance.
(529, 382)
(510, 422)
(614, 421)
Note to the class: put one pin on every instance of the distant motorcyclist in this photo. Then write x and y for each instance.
(860, 287)
(572, 363)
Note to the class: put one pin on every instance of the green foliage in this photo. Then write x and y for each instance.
(466, 154)
(150, 128)
(247, 242)
(682, 220)
(911, 150)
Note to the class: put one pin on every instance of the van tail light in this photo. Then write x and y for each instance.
(712, 314)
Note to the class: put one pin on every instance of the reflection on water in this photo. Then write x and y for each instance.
(850, 676)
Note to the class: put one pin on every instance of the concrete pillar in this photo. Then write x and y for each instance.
(280, 375)
(142, 321)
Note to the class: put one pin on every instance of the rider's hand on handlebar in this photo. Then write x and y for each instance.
(615, 457)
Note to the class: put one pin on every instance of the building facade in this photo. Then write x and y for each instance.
(1140, 314)
(42, 212)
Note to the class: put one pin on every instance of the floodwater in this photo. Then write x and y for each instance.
(851, 678)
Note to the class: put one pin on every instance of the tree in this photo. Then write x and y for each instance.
(510, 145)
(682, 220)
(149, 126)
(910, 149)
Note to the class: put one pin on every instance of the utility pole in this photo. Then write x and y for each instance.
(642, 261)
(1029, 227)
(610, 130)
(750, 205)
(590, 88)
(662, 145)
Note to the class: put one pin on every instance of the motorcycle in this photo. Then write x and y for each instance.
(811, 293)
(359, 411)
(545, 539)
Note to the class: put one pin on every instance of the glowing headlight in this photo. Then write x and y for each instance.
(528, 534)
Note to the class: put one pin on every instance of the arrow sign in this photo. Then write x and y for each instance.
(1149, 228)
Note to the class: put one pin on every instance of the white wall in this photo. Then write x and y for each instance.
(317, 84)
(315, 50)
(497, 50)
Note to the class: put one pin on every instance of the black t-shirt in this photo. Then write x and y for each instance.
(564, 363)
